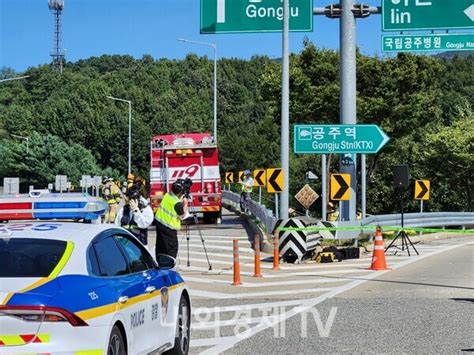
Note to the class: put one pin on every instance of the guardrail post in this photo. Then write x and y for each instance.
(276, 252)
(236, 264)
(257, 256)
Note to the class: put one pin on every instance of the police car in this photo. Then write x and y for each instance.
(84, 288)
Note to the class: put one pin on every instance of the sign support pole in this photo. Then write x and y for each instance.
(347, 13)
(363, 184)
(285, 113)
(348, 114)
(276, 207)
(260, 195)
(421, 211)
(323, 187)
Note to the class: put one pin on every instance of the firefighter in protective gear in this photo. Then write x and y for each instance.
(130, 180)
(172, 209)
(247, 186)
(111, 194)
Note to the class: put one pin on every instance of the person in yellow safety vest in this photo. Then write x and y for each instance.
(111, 194)
(172, 209)
(247, 186)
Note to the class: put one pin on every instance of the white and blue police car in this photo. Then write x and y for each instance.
(84, 288)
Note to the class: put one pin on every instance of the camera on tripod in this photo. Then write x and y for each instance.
(187, 183)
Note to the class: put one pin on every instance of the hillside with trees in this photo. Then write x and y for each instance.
(424, 104)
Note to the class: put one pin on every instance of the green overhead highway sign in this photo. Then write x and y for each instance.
(404, 15)
(429, 42)
(325, 139)
(234, 16)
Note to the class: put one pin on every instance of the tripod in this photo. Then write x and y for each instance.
(195, 219)
(401, 233)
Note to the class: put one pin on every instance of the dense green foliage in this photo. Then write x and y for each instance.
(423, 103)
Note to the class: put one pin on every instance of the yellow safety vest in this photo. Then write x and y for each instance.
(246, 188)
(166, 215)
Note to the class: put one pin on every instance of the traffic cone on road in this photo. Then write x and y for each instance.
(378, 255)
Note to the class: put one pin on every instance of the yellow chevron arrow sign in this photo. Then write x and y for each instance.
(422, 189)
(229, 177)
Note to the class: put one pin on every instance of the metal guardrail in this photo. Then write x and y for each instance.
(425, 219)
(261, 212)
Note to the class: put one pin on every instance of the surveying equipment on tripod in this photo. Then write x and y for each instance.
(186, 184)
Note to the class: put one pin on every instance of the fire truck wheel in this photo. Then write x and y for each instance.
(212, 217)
(208, 217)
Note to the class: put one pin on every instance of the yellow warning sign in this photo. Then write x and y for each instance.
(422, 189)
(275, 180)
(229, 177)
(341, 187)
(259, 178)
(306, 196)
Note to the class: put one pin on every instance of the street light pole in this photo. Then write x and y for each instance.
(129, 130)
(214, 47)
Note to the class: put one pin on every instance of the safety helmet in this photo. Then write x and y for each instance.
(247, 172)
(139, 180)
(178, 186)
(107, 179)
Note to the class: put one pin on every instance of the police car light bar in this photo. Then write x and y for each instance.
(51, 206)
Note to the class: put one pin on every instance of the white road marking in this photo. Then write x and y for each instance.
(257, 284)
(274, 275)
(230, 322)
(184, 254)
(211, 246)
(248, 306)
(222, 344)
(195, 343)
(208, 241)
(221, 295)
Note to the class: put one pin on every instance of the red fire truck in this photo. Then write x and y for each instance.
(189, 155)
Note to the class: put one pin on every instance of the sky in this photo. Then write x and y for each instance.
(138, 27)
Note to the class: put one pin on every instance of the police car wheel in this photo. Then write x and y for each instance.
(183, 323)
(116, 343)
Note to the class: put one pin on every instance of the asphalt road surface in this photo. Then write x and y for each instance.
(423, 307)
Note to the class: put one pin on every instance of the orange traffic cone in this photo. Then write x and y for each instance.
(378, 255)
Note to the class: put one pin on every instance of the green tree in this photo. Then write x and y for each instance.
(47, 157)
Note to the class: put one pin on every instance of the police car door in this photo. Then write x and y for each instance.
(141, 262)
(164, 312)
(128, 286)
